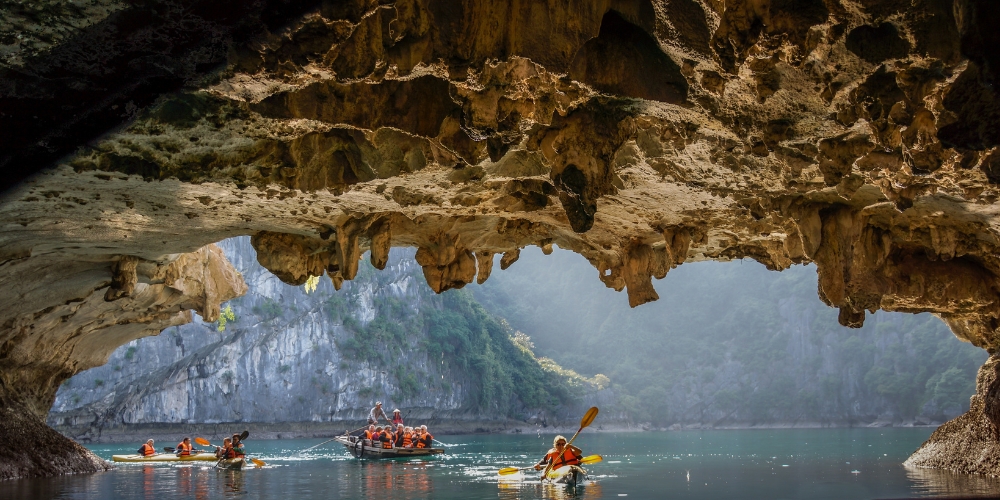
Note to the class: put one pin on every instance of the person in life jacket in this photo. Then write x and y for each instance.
(426, 439)
(560, 455)
(397, 419)
(147, 449)
(225, 449)
(237, 450)
(407, 438)
(378, 435)
(370, 433)
(184, 447)
(386, 438)
(399, 435)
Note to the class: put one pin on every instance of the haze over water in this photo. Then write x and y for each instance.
(771, 463)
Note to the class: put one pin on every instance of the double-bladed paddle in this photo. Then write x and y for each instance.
(588, 418)
(590, 459)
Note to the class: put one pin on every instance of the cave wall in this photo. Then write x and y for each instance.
(859, 135)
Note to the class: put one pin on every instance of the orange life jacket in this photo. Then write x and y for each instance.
(387, 440)
(407, 439)
(566, 458)
(183, 449)
(147, 450)
(425, 440)
(369, 434)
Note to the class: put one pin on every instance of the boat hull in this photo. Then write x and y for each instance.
(165, 457)
(570, 475)
(231, 464)
(361, 448)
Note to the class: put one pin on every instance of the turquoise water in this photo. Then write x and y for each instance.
(771, 464)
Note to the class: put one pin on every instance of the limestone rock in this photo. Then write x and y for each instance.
(861, 136)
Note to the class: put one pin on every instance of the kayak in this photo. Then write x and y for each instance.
(570, 475)
(231, 464)
(362, 448)
(165, 457)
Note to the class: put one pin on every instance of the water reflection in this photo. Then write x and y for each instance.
(522, 488)
(935, 482)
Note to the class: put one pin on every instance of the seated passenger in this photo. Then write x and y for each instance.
(225, 449)
(560, 455)
(399, 436)
(407, 437)
(370, 432)
(184, 448)
(386, 438)
(426, 439)
(147, 449)
(237, 451)
(377, 436)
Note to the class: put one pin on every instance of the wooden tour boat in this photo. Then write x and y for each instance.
(363, 448)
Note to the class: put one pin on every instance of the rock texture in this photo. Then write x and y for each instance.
(859, 135)
(92, 308)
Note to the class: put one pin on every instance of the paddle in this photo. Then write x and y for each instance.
(590, 459)
(169, 449)
(588, 418)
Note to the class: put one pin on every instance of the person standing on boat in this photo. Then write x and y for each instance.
(397, 419)
(147, 449)
(560, 455)
(376, 412)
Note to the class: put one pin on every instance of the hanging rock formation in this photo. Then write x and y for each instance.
(859, 135)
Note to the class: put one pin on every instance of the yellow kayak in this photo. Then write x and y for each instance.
(165, 457)
(568, 475)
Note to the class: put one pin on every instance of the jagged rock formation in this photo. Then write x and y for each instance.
(92, 308)
(859, 135)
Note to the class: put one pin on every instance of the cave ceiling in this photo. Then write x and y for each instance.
(859, 135)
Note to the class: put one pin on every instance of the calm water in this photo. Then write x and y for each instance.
(772, 464)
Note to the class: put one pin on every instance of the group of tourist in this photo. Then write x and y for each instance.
(231, 448)
(396, 434)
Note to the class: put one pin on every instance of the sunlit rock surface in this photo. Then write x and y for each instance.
(859, 135)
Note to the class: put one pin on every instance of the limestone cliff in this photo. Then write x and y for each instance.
(292, 357)
(858, 135)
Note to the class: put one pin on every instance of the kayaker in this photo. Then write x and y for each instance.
(560, 455)
(376, 412)
(397, 419)
(237, 450)
(426, 440)
(184, 448)
(225, 449)
(147, 449)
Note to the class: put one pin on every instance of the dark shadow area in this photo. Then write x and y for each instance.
(624, 60)
(100, 78)
(877, 43)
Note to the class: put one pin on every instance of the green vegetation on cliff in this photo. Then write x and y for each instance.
(472, 345)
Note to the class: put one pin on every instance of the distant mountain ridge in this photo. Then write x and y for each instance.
(733, 344)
